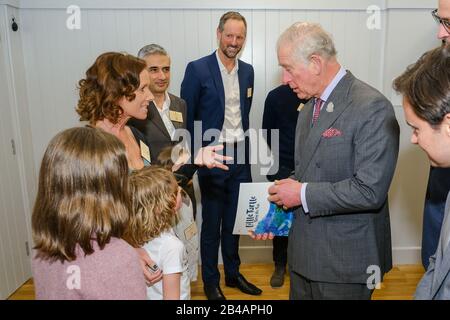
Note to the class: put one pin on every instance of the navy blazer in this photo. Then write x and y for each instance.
(203, 91)
(281, 113)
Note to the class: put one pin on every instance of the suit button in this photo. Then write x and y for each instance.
(317, 165)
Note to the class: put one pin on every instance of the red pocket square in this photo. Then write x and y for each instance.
(332, 132)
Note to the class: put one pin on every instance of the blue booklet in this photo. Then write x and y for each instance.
(255, 213)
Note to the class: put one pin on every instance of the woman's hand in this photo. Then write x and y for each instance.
(152, 273)
(208, 157)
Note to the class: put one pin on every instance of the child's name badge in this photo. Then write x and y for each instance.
(190, 231)
(175, 116)
(145, 151)
(249, 92)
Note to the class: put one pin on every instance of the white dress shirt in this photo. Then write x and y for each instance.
(232, 130)
(165, 116)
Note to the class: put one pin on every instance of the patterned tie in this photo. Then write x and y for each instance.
(316, 113)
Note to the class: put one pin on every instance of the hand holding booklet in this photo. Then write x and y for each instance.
(255, 213)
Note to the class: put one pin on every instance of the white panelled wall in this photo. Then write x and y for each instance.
(56, 57)
(17, 173)
(47, 59)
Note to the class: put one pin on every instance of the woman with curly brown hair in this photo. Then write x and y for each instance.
(115, 90)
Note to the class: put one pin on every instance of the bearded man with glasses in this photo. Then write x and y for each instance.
(442, 16)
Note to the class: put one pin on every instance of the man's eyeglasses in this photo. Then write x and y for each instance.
(445, 22)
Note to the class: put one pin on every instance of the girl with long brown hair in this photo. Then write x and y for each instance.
(81, 212)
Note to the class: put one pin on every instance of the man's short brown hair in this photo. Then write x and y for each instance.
(231, 15)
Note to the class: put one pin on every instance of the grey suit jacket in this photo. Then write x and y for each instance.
(435, 284)
(154, 129)
(348, 159)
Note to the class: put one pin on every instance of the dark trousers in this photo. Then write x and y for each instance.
(305, 289)
(280, 244)
(220, 192)
(279, 251)
(432, 223)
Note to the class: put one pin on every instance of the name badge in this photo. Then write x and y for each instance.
(175, 116)
(330, 107)
(190, 231)
(249, 92)
(145, 151)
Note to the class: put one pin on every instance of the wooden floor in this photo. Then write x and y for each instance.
(399, 284)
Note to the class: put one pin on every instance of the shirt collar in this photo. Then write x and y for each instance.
(329, 89)
(166, 103)
(223, 68)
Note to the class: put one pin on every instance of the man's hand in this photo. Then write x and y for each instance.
(151, 277)
(208, 157)
(286, 193)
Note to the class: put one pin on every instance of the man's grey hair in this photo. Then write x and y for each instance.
(151, 49)
(307, 39)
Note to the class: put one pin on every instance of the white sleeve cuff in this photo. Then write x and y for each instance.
(303, 197)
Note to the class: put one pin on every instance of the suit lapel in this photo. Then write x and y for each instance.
(215, 72)
(242, 87)
(155, 118)
(339, 98)
(442, 263)
(175, 107)
(302, 130)
(441, 269)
